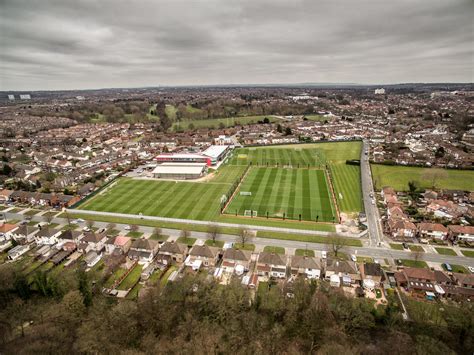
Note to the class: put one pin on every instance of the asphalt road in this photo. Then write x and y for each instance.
(371, 211)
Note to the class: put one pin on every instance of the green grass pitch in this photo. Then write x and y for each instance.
(199, 201)
(274, 190)
(285, 192)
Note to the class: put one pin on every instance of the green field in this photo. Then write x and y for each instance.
(285, 193)
(276, 189)
(188, 200)
(217, 122)
(399, 176)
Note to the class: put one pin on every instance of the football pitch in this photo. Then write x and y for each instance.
(284, 193)
(284, 181)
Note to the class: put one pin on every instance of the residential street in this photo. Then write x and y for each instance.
(383, 252)
(368, 193)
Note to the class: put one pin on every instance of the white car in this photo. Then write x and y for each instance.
(324, 254)
(127, 228)
(86, 229)
(354, 258)
(471, 269)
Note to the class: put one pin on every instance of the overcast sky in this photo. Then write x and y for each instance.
(79, 44)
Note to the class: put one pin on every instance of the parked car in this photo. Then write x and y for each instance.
(405, 246)
(471, 269)
(324, 254)
(354, 258)
(448, 267)
(86, 229)
(127, 228)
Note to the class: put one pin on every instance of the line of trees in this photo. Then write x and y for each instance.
(196, 315)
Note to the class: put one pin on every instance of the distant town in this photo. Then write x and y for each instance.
(366, 190)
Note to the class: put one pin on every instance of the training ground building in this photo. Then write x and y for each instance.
(180, 171)
(211, 156)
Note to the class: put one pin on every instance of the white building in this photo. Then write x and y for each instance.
(380, 91)
(17, 251)
(180, 171)
(11, 97)
(25, 97)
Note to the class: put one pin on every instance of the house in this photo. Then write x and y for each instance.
(6, 229)
(24, 234)
(17, 251)
(92, 258)
(272, 264)
(387, 192)
(464, 280)
(69, 236)
(143, 250)
(172, 251)
(461, 233)
(202, 255)
(93, 241)
(233, 257)
(401, 228)
(373, 272)
(432, 231)
(306, 266)
(5, 195)
(118, 245)
(422, 280)
(343, 269)
(47, 236)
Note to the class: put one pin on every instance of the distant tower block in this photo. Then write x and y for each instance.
(11, 97)
(25, 97)
(380, 91)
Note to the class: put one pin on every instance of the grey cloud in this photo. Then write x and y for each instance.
(56, 44)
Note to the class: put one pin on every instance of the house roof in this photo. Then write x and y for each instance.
(173, 248)
(69, 234)
(272, 258)
(93, 237)
(464, 279)
(7, 227)
(372, 269)
(204, 251)
(146, 244)
(237, 254)
(419, 273)
(47, 232)
(305, 262)
(341, 266)
(118, 240)
(435, 227)
(26, 230)
(461, 229)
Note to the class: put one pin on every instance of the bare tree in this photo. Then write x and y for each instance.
(157, 231)
(434, 175)
(244, 236)
(90, 223)
(417, 255)
(48, 217)
(212, 232)
(134, 227)
(185, 234)
(337, 243)
(111, 227)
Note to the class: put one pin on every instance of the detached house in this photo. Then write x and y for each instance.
(233, 257)
(143, 250)
(172, 252)
(272, 264)
(373, 272)
(202, 255)
(306, 266)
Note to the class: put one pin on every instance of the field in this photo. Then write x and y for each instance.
(220, 122)
(285, 193)
(188, 200)
(276, 188)
(399, 176)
